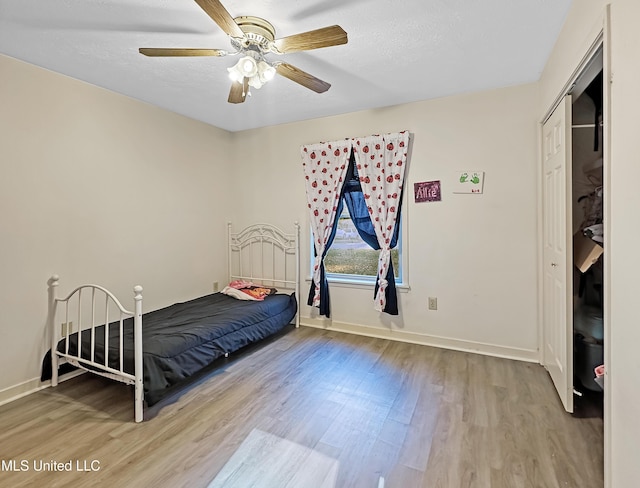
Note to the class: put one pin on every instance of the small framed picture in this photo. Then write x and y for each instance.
(427, 191)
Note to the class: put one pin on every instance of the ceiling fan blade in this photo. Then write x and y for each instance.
(238, 92)
(304, 79)
(315, 39)
(220, 16)
(158, 51)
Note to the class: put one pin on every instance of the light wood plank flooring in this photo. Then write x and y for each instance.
(411, 415)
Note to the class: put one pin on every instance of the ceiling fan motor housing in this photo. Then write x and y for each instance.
(257, 31)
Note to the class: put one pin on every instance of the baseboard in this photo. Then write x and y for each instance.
(28, 387)
(425, 340)
(20, 390)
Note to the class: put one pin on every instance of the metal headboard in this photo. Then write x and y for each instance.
(266, 255)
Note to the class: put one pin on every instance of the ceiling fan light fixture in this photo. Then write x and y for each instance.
(266, 71)
(247, 66)
(257, 72)
(255, 82)
(235, 74)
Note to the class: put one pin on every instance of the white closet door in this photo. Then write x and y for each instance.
(557, 300)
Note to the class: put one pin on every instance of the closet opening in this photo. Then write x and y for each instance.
(588, 238)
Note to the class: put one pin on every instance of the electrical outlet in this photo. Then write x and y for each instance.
(66, 328)
(433, 303)
(216, 286)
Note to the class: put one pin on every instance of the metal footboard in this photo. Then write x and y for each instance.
(84, 305)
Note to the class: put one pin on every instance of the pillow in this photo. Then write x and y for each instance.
(259, 292)
(240, 284)
(235, 293)
(245, 290)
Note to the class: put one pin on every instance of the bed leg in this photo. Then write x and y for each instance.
(298, 298)
(139, 400)
(54, 369)
(138, 366)
(51, 318)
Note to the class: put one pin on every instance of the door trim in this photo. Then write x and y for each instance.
(606, 167)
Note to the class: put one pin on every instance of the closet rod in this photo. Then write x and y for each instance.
(584, 126)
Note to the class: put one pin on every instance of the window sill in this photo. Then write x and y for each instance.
(358, 284)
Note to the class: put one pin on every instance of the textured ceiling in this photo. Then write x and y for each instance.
(398, 52)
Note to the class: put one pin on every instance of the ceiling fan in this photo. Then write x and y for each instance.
(253, 38)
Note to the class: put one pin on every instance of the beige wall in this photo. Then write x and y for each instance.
(99, 188)
(475, 253)
(622, 429)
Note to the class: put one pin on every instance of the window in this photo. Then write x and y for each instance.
(352, 259)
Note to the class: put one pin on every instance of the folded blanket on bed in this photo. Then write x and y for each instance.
(246, 290)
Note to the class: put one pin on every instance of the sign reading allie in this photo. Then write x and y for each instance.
(468, 182)
(427, 191)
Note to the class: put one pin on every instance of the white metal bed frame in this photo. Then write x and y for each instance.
(242, 247)
(263, 237)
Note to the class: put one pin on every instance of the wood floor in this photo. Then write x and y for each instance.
(386, 412)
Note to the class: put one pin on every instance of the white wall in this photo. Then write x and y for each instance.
(622, 429)
(100, 188)
(475, 253)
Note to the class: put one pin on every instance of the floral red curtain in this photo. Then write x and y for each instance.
(381, 162)
(325, 166)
